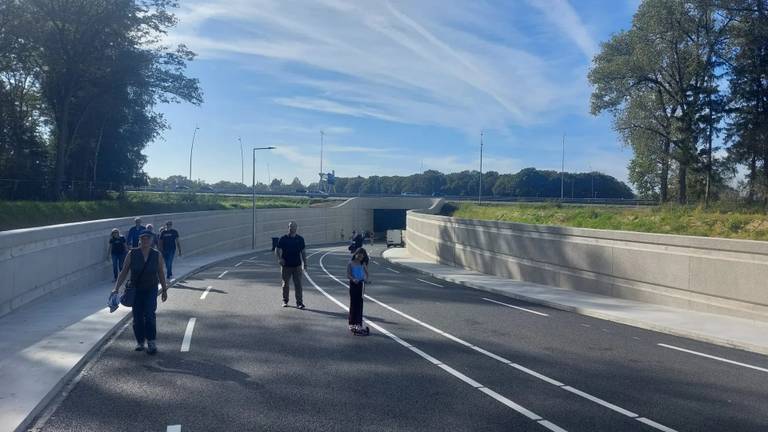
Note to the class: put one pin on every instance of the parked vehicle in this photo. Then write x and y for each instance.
(317, 194)
(395, 237)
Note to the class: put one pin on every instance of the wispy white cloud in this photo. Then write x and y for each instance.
(565, 18)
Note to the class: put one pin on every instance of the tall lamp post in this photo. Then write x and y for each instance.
(562, 173)
(242, 162)
(320, 185)
(480, 191)
(190, 152)
(253, 219)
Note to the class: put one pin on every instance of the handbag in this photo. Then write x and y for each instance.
(129, 295)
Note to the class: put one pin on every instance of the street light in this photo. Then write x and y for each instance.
(253, 219)
(242, 162)
(562, 173)
(480, 191)
(190, 152)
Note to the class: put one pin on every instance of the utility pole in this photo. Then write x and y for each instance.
(242, 162)
(190, 151)
(562, 172)
(480, 189)
(253, 195)
(320, 185)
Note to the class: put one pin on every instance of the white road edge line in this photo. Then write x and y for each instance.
(515, 307)
(205, 293)
(188, 335)
(222, 274)
(503, 360)
(520, 409)
(431, 283)
(714, 357)
(392, 270)
(239, 264)
(173, 428)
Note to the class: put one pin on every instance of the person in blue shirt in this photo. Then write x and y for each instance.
(134, 232)
(357, 273)
(169, 245)
(117, 248)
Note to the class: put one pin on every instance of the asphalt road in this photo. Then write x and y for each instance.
(440, 357)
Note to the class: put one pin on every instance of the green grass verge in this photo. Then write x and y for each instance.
(25, 214)
(751, 224)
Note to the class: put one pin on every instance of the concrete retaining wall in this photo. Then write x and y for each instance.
(704, 274)
(36, 261)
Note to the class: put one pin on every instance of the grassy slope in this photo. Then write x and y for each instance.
(728, 223)
(23, 214)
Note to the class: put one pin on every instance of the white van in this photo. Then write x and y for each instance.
(395, 237)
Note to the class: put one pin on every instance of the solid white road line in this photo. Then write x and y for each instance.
(173, 428)
(515, 307)
(392, 270)
(375, 262)
(188, 335)
(239, 264)
(222, 274)
(205, 293)
(508, 362)
(428, 282)
(520, 409)
(714, 357)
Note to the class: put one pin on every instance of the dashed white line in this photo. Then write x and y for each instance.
(519, 408)
(714, 357)
(635, 337)
(586, 325)
(428, 282)
(222, 274)
(188, 335)
(392, 270)
(173, 428)
(503, 360)
(239, 264)
(205, 293)
(515, 307)
(375, 262)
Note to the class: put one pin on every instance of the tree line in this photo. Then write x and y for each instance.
(79, 81)
(687, 87)
(528, 182)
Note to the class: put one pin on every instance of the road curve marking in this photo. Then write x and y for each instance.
(222, 274)
(431, 283)
(188, 335)
(714, 357)
(543, 377)
(205, 293)
(515, 307)
(474, 384)
(392, 270)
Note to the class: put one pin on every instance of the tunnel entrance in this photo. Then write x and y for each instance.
(386, 219)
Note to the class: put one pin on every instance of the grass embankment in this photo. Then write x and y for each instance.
(751, 224)
(25, 214)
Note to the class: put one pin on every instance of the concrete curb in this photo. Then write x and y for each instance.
(593, 313)
(36, 419)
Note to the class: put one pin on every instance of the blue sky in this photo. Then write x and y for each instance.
(396, 86)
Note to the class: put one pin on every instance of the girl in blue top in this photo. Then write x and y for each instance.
(357, 273)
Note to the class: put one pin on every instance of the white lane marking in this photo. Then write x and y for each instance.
(605, 330)
(635, 337)
(654, 424)
(586, 325)
(515, 307)
(503, 360)
(375, 262)
(520, 409)
(714, 357)
(392, 270)
(222, 274)
(173, 428)
(239, 264)
(428, 282)
(205, 293)
(188, 335)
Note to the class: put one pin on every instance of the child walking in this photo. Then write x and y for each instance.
(357, 273)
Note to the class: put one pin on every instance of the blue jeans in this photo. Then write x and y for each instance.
(144, 321)
(117, 264)
(168, 258)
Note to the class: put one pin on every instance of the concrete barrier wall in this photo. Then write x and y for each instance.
(696, 273)
(37, 261)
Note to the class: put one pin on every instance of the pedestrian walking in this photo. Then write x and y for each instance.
(356, 241)
(150, 229)
(133, 233)
(357, 273)
(169, 246)
(145, 266)
(117, 247)
(291, 254)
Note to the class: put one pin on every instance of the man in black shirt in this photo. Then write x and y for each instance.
(169, 245)
(291, 254)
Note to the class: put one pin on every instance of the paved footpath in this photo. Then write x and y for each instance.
(441, 356)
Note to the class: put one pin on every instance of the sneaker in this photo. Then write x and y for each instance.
(151, 348)
(139, 347)
(285, 304)
(300, 306)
